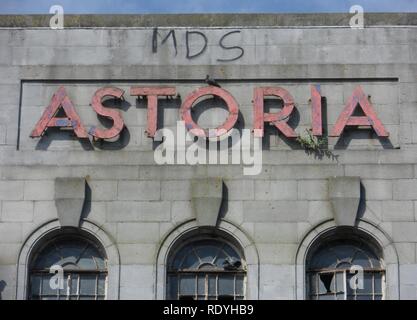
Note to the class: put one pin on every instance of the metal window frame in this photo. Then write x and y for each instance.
(316, 295)
(207, 274)
(68, 277)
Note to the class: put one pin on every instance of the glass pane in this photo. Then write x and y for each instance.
(378, 282)
(101, 284)
(46, 288)
(344, 265)
(231, 252)
(212, 284)
(360, 297)
(326, 282)
(220, 259)
(74, 283)
(63, 291)
(187, 285)
(340, 282)
(327, 297)
(100, 262)
(87, 260)
(201, 285)
(313, 283)
(191, 262)
(344, 252)
(376, 263)
(367, 283)
(176, 264)
(88, 284)
(239, 285)
(226, 285)
(46, 260)
(362, 260)
(72, 253)
(207, 253)
(204, 252)
(35, 285)
(350, 284)
(324, 260)
(172, 287)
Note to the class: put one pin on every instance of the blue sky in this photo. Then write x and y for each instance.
(203, 6)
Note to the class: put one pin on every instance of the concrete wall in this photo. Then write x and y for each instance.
(138, 203)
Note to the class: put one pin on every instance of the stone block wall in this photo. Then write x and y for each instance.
(138, 203)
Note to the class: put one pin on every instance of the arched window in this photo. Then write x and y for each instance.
(206, 269)
(341, 269)
(68, 267)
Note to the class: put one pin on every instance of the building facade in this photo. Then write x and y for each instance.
(88, 212)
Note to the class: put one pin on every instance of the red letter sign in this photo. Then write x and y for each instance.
(48, 119)
(152, 95)
(370, 119)
(115, 115)
(316, 111)
(277, 119)
(220, 130)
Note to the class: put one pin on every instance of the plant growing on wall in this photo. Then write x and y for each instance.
(310, 142)
(316, 145)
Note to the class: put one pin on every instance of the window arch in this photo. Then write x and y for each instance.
(206, 269)
(342, 267)
(68, 267)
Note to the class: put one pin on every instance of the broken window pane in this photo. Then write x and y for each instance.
(326, 283)
(203, 271)
(330, 276)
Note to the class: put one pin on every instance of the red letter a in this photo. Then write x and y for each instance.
(48, 119)
(370, 118)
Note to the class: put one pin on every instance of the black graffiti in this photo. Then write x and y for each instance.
(155, 40)
(191, 55)
(187, 44)
(242, 52)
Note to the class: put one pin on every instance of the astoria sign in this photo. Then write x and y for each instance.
(71, 120)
